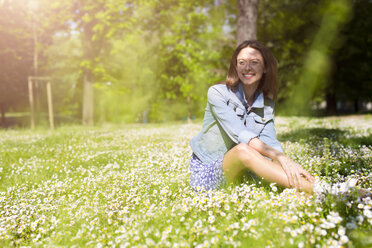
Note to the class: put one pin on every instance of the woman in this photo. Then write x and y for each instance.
(238, 131)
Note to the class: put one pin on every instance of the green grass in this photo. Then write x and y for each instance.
(127, 185)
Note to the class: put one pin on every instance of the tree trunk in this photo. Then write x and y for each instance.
(331, 108)
(247, 20)
(36, 89)
(88, 100)
(356, 105)
(3, 120)
(263, 17)
(37, 99)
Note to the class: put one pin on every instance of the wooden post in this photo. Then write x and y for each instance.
(31, 98)
(36, 85)
(50, 105)
(88, 101)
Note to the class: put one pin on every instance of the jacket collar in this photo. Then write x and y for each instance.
(258, 102)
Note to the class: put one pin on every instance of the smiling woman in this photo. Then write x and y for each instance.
(238, 131)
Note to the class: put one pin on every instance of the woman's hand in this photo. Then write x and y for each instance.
(294, 172)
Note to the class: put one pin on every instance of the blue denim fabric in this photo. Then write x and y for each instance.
(228, 121)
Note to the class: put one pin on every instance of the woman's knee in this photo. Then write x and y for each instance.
(244, 151)
(236, 160)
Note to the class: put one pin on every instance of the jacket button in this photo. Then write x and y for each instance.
(263, 119)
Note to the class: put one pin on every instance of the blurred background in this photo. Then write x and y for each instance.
(125, 61)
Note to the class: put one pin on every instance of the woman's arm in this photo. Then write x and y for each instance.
(264, 149)
(293, 170)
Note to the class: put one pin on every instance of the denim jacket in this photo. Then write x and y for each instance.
(228, 120)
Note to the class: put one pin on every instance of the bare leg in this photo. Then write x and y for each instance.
(243, 157)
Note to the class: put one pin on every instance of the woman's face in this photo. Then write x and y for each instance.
(250, 66)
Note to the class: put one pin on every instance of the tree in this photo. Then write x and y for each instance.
(25, 33)
(96, 22)
(247, 20)
(351, 78)
(316, 68)
(287, 28)
(15, 44)
(187, 50)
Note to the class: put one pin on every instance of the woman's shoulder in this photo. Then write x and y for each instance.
(219, 92)
(219, 87)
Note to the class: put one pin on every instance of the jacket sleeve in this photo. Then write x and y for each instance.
(268, 136)
(227, 118)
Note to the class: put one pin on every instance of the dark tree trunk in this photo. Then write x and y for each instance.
(331, 104)
(3, 119)
(356, 105)
(247, 20)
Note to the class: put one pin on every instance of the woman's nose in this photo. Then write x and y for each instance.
(247, 66)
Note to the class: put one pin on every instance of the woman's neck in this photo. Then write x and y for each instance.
(249, 92)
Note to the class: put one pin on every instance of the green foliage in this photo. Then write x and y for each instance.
(287, 28)
(15, 58)
(154, 60)
(350, 74)
(316, 65)
(186, 50)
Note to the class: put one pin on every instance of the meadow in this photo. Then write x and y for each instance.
(127, 186)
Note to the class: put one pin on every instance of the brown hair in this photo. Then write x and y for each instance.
(269, 81)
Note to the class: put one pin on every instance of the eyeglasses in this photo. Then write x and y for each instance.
(250, 63)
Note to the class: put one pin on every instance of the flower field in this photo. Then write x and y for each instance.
(127, 186)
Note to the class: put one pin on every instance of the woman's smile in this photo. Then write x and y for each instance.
(249, 75)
